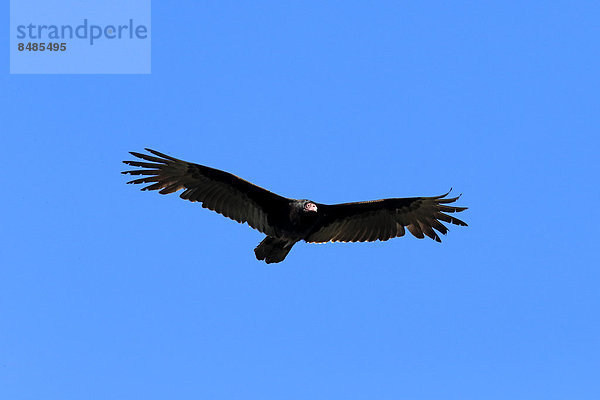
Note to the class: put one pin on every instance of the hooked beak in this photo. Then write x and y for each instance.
(311, 207)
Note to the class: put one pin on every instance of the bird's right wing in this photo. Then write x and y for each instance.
(217, 190)
(384, 219)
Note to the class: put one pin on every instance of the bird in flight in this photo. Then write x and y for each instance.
(287, 221)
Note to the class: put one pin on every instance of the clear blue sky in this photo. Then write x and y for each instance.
(107, 292)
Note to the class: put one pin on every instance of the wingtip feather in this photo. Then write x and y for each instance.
(159, 154)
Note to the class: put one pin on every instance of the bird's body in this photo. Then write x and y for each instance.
(286, 221)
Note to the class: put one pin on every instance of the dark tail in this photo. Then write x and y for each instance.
(273, 250)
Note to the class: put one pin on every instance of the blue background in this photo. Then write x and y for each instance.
(107, 292)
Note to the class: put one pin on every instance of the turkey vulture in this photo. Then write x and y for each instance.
(287, 221)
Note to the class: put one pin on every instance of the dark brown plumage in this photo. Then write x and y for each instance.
(286, 221)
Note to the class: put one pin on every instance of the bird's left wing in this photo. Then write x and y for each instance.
(217, 190)
(385, 219)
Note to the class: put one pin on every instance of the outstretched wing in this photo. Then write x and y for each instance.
(385, 219)
(217, 190)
